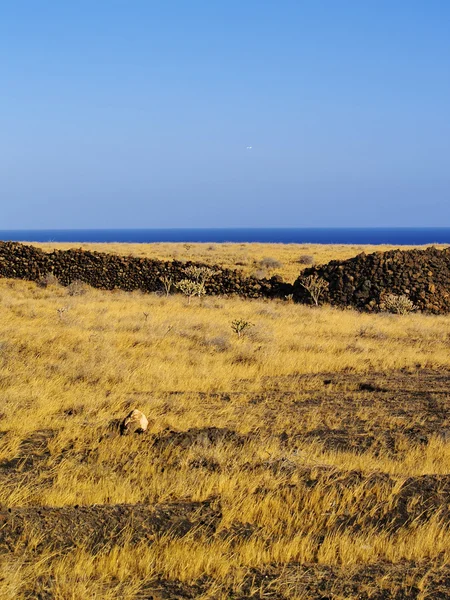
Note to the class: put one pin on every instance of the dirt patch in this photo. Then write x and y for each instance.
(381, 412)
(357, 506)
(97, 527)
(379, 581)
(199, 436)
(33, 450)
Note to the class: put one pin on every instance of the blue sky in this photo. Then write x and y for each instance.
(138, 113)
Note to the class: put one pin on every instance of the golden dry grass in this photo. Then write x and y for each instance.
(72, 371)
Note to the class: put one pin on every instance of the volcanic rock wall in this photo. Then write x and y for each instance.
(110, 271)
(361, 282)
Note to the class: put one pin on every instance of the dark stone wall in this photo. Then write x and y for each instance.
(361, 282)
(110, 271)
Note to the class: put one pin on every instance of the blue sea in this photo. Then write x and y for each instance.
(376, 235)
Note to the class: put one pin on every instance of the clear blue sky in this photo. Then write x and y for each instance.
(138, 113)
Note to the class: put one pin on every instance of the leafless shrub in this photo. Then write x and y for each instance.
(61, 311)
(398, 305)
(315, 285)
(190, 288)
(199, 275)
(167, 281)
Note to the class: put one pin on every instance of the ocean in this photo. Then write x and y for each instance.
(349, 235)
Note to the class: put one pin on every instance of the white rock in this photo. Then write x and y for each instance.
(135, 422)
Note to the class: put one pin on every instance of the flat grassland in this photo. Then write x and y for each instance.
(308, 458)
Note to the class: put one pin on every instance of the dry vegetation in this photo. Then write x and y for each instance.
(308, 458)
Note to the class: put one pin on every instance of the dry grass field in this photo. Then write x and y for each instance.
(307, 459)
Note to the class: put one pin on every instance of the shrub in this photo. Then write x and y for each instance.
(190, 288)
(398, 305)
(61, 311)
(315, 285)
(167, 281)
(239, 326)
(269, 263)
(47, 280)
(306, 259)
(199, 275)
(76, 288)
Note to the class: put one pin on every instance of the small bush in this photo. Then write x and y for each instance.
(239, 326)
(61, 311)
(306, 259)
(269, 263)
(76, 288)
(47, 280)
(398, 305)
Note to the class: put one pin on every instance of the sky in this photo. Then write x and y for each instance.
(139, 113)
